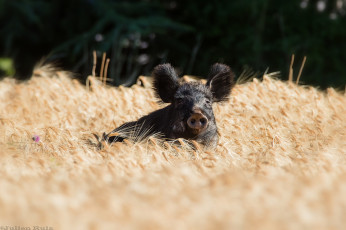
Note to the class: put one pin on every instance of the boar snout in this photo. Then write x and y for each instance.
(197, 122)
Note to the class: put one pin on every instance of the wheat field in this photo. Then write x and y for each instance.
(280, 162)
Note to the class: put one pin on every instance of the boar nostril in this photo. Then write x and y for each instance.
(197, 121)
(203, 121)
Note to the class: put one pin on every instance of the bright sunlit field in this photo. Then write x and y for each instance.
(280, 162)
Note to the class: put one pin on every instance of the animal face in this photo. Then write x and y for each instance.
(191, 110)
(192, 113)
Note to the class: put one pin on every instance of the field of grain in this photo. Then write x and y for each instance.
(280, 163)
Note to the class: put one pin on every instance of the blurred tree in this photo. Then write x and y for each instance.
(68, 32)
(266, 33)
(190, 34)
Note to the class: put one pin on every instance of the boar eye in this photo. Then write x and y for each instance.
(179, 101)
(208, 102)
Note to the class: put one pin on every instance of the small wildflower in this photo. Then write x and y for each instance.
(36, 138)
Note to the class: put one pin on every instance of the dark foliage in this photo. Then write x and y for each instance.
(137, 35)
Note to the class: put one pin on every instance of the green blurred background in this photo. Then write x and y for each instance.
(192, 35)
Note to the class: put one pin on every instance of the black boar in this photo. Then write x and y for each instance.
(189, 114)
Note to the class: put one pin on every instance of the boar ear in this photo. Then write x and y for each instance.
(165, 82)
(220, 82)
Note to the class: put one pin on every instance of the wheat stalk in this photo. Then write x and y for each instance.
(301, 69)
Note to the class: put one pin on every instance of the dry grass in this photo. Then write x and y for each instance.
(280, 163)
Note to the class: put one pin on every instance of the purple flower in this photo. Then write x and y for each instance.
(36, 138)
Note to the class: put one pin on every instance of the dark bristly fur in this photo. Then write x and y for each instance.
(220, 82)
(189, 114)
(165, 82)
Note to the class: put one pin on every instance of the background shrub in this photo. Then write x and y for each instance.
(191, 35)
